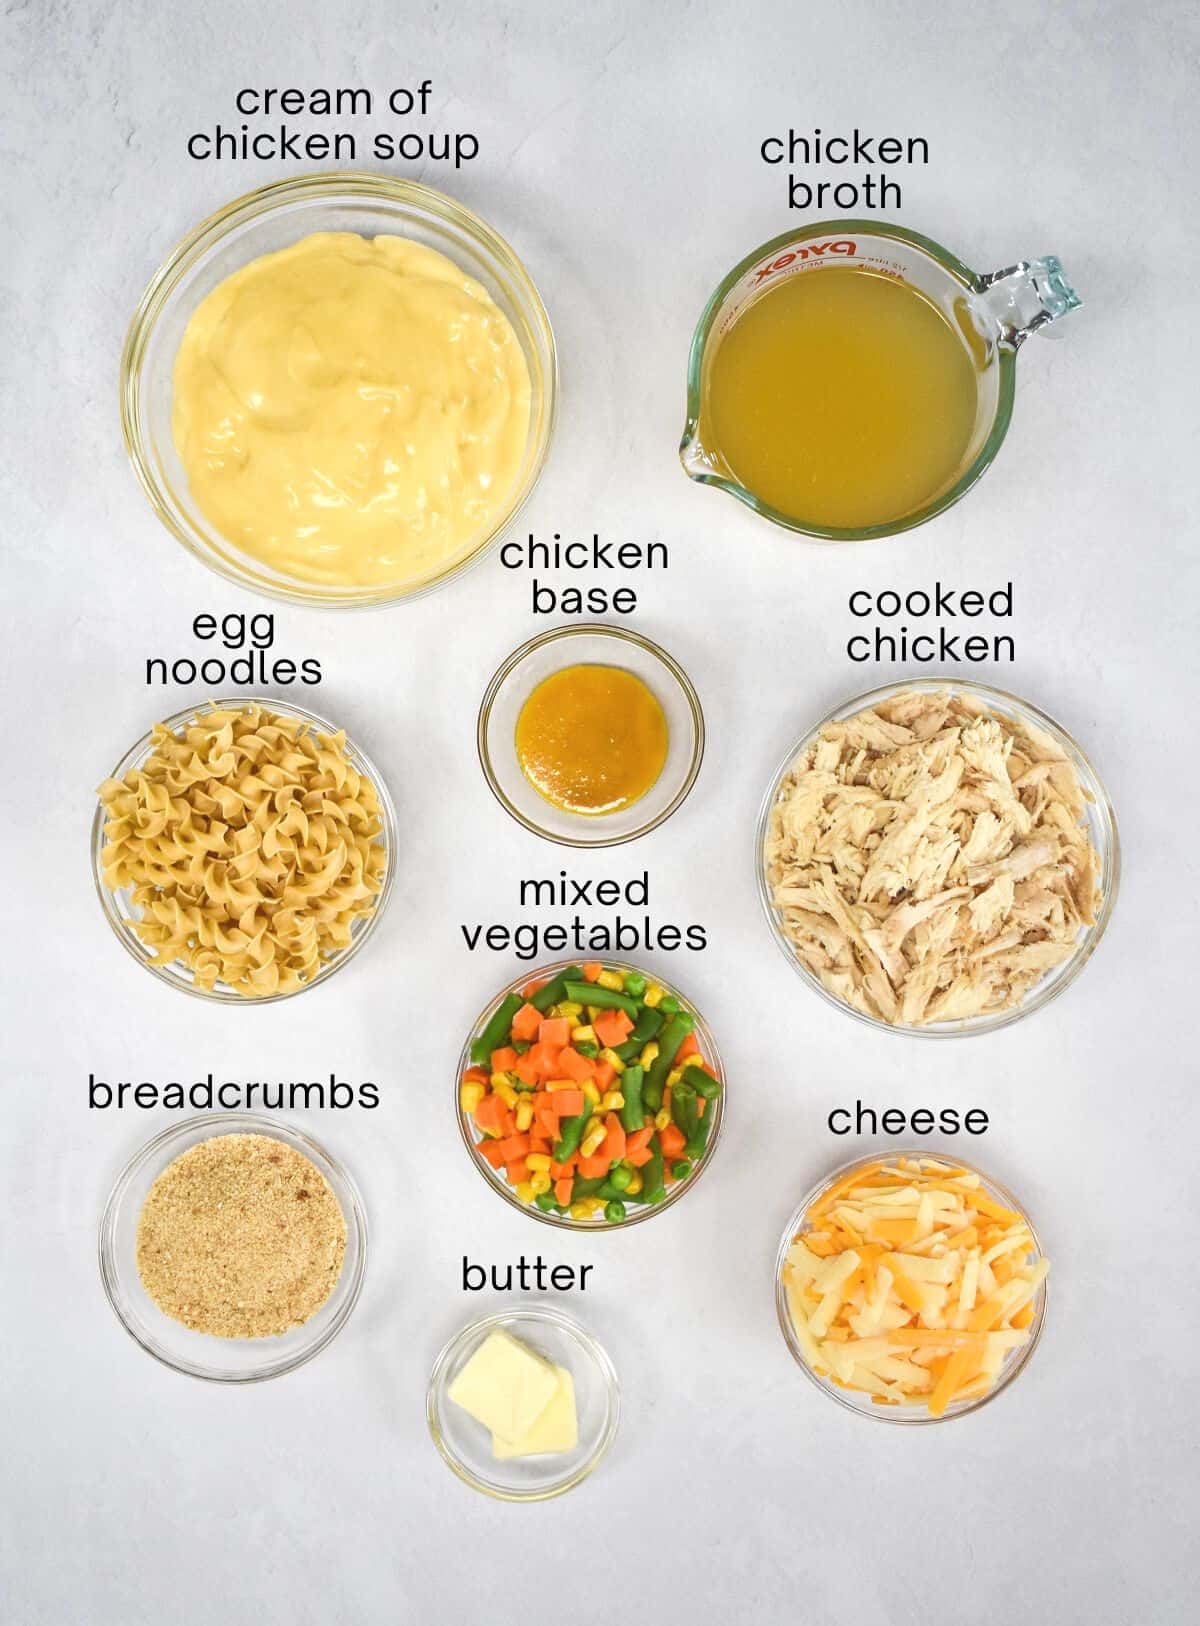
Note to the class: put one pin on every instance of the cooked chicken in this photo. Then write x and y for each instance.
(930, 860)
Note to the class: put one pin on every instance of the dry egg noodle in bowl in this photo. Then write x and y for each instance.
(937, 858)
(233, 1247)
(339, 389)
(910, 1288)
(851, 379)
(590, 735)
(243, 850)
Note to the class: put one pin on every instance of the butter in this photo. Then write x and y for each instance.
(505, 1386)
(556, 1430)
(351, 411)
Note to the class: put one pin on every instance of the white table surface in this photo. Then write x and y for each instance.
(620, 156)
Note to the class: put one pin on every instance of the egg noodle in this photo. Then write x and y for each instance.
(250, 844)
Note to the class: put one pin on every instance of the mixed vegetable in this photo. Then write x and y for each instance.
(590, 1092)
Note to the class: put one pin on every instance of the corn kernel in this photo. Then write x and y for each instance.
(583, 1034)
(470, 1096)
(590, 1092)
(635, 1185)
(524, 1115)
(592, 1142)
(560, 1084)
(612, 1101)
(539, 1162)
(593, 1012)
(580, 1210)
(500, 1078)
(525, 1191)
(506, 1092)
(590, 1206)
(649, 1054)
(613, 1060)
(662, 1119)
(673, 1077)
(654, 995)
(570, 1009)
(612, 980)
(539, 1184)
(694, 1060)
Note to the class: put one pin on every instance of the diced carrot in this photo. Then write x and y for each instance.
(514, 1173)
(614, 1140)
(591, 970)
(567, 1103)
(639, 1140)
(563, 1171)
(475, 1075)
(554, 1030)
(489, 1151)
(563, 1189)
(526, 1023)
(640, 1158)
(545, 1059)
(526, 1069)
(541, 1142)
(504, 1060)
(612, 1027)
(575, 1066)
(605, 1075)
(595, 1167)
(508, 1124)
(672, 1140)
(689, 1047)
(513, 1147)
(489, 1114)
(534, 987)
(547, 1122)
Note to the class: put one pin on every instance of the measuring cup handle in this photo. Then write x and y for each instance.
(1024, 297)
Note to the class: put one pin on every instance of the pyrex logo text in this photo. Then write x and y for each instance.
(841, 245)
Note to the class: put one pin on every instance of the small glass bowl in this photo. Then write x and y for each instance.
(464, 1443)
(1102, 826)
(550, 652)
(637, 1211)
(222, 1360)
(271, 218)
(118, 907)
(863, 1404)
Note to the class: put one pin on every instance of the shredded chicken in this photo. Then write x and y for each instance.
(931, 860)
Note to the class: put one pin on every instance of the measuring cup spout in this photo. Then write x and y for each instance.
(1027, 296)
(698, 462)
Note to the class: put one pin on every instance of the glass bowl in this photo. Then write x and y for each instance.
(550, 652)
(863, 1404)
(464, 1443)
(1102, 825)
(271, 218)
(118, 906)
(642, 1211)
(222, 1360)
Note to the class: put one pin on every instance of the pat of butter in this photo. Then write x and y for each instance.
(556, 1430)
(505, 1386)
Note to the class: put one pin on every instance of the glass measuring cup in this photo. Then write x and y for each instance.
(994, 313)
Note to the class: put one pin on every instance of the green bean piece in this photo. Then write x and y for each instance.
(653, 1187)
(620, 1178)
(635, 984)
(572, 1133)
(554, 989)
(606, 1191)
(704, 1084)
(587, 1188)
(682, 1169)
(669, 1005)
(604, 999)
(698, 1141)
(631, 1089)
(586, 1047)
(522, 1046)
(614, 1212)
(672, 1036)
(645, 1028)
(496, 1031)
(684, 1111)
(545, 1201)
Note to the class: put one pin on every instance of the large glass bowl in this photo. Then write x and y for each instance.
(465, 1445)
(269, 219)
(586, 645)
(1102, 825)
(637, 1212)
(119, 908)
(861, 1403)
(200, 1355)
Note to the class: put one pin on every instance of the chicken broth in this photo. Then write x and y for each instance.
(841, 398)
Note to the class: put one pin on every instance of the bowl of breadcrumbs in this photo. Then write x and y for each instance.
(233, 1248)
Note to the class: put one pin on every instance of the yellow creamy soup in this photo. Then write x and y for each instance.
(351, 411)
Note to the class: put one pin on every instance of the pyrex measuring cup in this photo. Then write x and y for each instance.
(993, 313)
